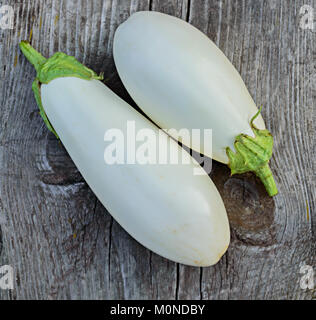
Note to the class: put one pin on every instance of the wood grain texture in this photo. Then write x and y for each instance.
(63, 244)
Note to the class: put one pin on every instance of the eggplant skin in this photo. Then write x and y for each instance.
(181, 79)
(168, 209)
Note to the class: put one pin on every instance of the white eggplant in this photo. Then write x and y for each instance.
(165, 207)
(181, 79)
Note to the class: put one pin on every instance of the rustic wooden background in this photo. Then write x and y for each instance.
(63, 244)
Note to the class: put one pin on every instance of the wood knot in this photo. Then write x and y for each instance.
(249, 208)
(56, 166)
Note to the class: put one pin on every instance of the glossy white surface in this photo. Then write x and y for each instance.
(180, 79)
(166, 208)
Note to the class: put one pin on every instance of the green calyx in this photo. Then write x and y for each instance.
(253, 154)
(58, 66)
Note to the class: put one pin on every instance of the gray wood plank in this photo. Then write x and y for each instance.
(62, 242)
(270, 238)
(187, 278)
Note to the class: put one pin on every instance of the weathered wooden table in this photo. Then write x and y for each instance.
(63, 244)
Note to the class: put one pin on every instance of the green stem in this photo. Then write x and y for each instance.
(32, 55)
(265, 175)
(253, 154)
(57, 66)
